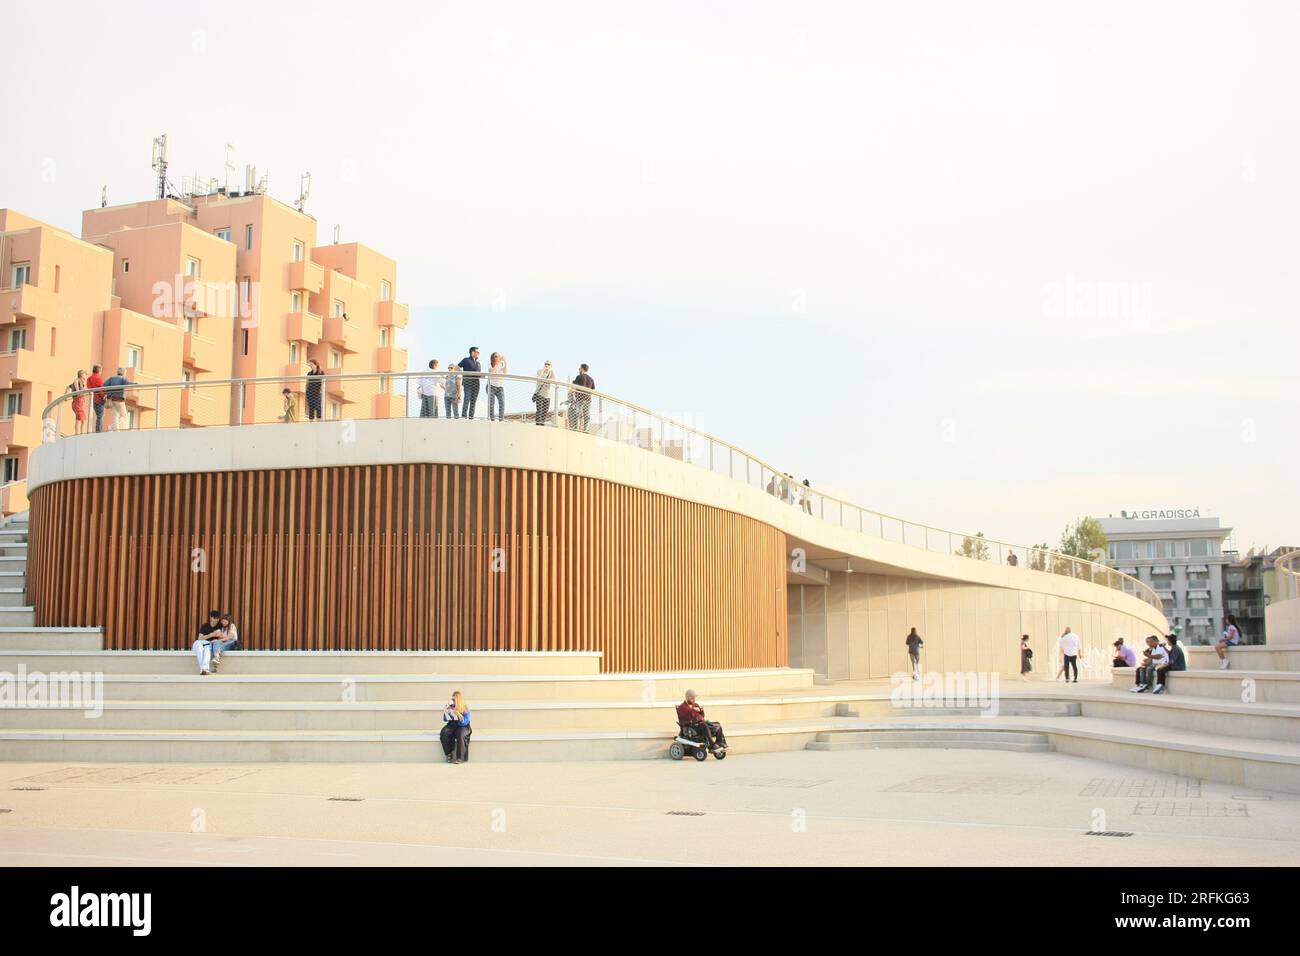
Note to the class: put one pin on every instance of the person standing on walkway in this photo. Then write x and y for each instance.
(97, 398)
(429, 391)
(543, 393)
(914, 645)
(469, 369)
(315, 387)
(581, 401)
(290, 413)
(451, 399)
(497, 367)
(116, 392)
(1026, 657)
(1068, 642)
(77, 389)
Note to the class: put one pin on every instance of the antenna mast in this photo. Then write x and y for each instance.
(304, 189)
(160, 163)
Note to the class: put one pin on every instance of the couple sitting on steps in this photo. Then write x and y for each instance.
(217, 635)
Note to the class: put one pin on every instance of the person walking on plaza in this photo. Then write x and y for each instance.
(315, 388)
(115, 389)
(1231, 638)
(498, 367)
(451, 396)
(97, 398)
(290, 414)
(581, 401)
(1068, 642)
(78, 391)
(456, 730)
(543, 393)
(470, 369)
(1026, 657)
(429, 387)
(914, 645)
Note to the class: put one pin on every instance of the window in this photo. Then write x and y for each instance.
(134, 357)
(187, 375)
(248, 236)
(11, 469)
(244, 344)
(190, 323)
(54, 337)
(22, 274)
(295, 302)
(336, 410)
(17, 339)
(13, 404)
(383, 338)
(293, 353)
(383, 384)
(126, 266)
(385, 290)
(338, 308)
(58, 275)
(1201, 548)
(297, 250)
(192, 268)
(224, 233)
(336, 358)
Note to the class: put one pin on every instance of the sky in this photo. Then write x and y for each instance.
(988, 267)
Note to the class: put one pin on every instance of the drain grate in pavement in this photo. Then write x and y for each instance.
(968, 783)
(685, 813)
(1253, 797)
(1153, 788)
(790, 783)
(30, 789)
(1112, 833)
(347, 799)
(1188, 808)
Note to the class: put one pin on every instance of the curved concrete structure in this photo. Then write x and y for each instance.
(848, 610)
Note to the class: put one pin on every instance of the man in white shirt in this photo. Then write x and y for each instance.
(430, 385)
(1068, 642)
(1153, 659)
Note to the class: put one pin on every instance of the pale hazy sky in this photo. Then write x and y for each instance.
(984, 265)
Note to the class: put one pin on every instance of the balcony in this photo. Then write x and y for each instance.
(336, 389)
(390, 359)
(392, 314)
(199, 353)
(336, 330)
(18, 366)
(26, 302)
(13, 497)
(303, 327)
(306, 276)
(25, 431)
(199, 297)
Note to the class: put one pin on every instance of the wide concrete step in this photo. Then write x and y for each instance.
(1241, 685)
(939, 736)
(321, 663)
(669, 686)
(1256, 657)
(13, 549)
(18, 616)
(29, 638)
(1205, 715)
(12, 562)
(13, 596)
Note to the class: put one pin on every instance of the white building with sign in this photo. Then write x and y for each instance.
(1180, 555)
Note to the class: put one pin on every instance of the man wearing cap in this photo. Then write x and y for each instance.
(1124, 656)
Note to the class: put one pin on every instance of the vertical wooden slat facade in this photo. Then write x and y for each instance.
(401, 557)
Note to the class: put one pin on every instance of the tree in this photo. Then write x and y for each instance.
(1038, 556)
(975, 547)
(1084, 539)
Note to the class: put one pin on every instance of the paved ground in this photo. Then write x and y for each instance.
(887, 807)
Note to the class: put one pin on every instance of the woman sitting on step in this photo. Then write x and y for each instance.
(456, 730)
(225, 639)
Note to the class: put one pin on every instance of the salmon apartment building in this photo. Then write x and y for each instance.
(204, 288)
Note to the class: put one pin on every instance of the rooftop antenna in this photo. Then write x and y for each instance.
(103, 197)
(230, 167)
(304, 189)
(336, 233)
(160, 163)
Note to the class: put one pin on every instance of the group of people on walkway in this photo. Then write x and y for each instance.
(111, 397)
(456, 389)
(791, 491)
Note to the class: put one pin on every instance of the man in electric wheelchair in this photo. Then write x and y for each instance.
(702, 737)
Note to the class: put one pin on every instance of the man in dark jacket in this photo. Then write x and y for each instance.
(580, 402)
(691, 714)
(1177, 661)
(470, 382)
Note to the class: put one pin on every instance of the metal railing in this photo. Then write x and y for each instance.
(531, 401)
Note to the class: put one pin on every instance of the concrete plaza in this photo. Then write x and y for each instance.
(871, 807)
